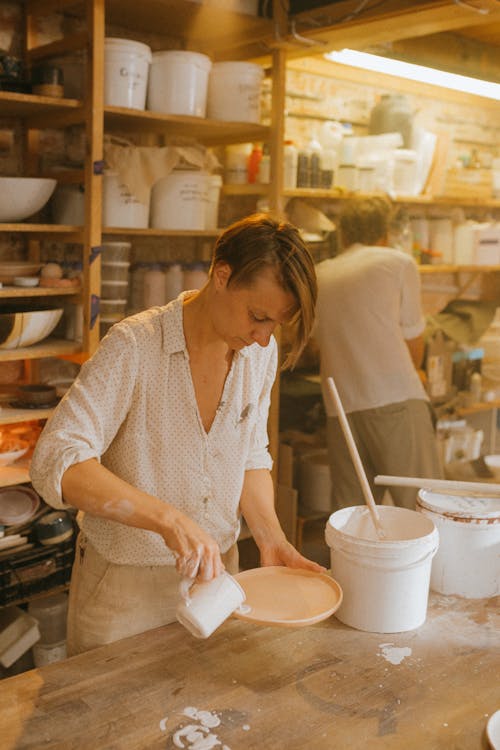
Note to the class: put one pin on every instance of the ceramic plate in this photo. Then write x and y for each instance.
(17, 505)
(493, 730)
(282, 596)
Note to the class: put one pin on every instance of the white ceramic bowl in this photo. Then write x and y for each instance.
(493, 464)
(10, 456)
(25, 328)
(26, 281)
(21, 197)
(11, 269)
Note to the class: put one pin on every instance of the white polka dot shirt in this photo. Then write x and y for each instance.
(133, 408)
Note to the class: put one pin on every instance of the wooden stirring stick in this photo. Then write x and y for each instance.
(365, 486)
(441, 485)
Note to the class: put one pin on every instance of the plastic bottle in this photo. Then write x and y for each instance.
(475, 386)
(290, 158)
(315, 152)
(303, 168)
(264, 175)
(254, 162)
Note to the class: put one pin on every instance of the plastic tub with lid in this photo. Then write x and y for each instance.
(178, 82)
(126, 67)
(234, 91)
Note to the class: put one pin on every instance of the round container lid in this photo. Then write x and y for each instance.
(17, 505)
(113, 44)
(238, 68)
(460, 506)
(179, 55)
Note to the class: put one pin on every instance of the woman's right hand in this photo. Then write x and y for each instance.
(197, 553)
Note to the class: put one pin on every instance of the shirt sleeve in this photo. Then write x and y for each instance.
(89, 416)
(258, 455)
(411, 319)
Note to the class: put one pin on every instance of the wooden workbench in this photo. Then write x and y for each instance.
(322, 687)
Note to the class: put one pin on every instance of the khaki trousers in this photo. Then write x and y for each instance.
(108, 602)
(397, 439)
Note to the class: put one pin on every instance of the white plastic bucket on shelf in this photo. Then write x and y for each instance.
(234, 91)
(126, 67)
(119, 207)
(178, 201)
(178, 82)
(468, 562)
(385, 581)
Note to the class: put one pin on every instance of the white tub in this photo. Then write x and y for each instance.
(178, 82)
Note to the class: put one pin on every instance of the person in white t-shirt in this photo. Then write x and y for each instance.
(369, 332)
(162, 441)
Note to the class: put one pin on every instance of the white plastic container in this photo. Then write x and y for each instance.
(116, 251)
(405, 172)
(114, 289)
(178, 83)
(126, 67)
(174, 281)
(119, 207)
(18, 632)
(68, 205)
(209, 604)
(214, 185)
(385, 582)
(115, 270)
(48, 653)
(468, 562)
(178, 201)
(50, 612)
(290, 158)
(236, 163)
(113, 307)
(314, 482)
(234, 91)
(154, 290)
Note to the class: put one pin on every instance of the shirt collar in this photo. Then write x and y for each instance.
(174, 330)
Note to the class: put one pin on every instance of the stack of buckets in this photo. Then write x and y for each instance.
(176, 82)
(115, 266)
(449, 544)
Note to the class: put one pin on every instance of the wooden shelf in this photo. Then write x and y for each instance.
(211, 132)
(10, 415)
(14, 292)
(337, 193)
(47, 348)
(14, 104)
(47, 231)
(160, 232)
(443, 268)
(257, 188)
(16, 473)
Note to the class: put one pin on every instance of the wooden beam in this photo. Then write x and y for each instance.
(390, 22)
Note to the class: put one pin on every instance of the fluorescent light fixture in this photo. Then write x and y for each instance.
(413, 72)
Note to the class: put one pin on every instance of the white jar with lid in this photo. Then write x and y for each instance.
(173, 281)
(404, 176)
(154, 286)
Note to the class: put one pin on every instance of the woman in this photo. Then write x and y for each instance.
(162, 439)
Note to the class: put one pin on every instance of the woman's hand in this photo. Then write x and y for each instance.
(284, 553)
(197, 553)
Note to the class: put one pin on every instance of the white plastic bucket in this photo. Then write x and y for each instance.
(178, 201)
(119, 207)
(178, 82)
(234, 91)
(126, 67)
(468, 560)
(315, 485)
(385, 582)
(212, 206)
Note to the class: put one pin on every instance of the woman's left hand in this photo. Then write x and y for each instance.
(284, 553)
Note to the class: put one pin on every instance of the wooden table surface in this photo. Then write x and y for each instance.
(322, 687)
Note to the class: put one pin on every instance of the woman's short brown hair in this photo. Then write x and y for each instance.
(259, 242)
